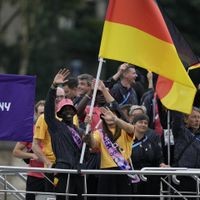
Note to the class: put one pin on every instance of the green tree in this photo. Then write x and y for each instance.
(60, 33)
(52, 34)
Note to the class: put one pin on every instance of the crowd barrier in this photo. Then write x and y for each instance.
(168, 176)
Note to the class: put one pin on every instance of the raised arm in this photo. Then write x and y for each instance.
(150, 80)
(49, 111)
(111, 81)
(80, 107)
(110, 116)
(108, 97)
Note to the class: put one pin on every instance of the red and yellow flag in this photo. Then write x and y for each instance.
(194, 73)
(135, 32)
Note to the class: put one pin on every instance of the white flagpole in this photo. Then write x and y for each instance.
(169, 139)
(92, 106)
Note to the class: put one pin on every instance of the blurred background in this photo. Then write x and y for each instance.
(37, 37)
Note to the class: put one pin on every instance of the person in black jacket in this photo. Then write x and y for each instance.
(186, 131)
(66, 139)
(146, 152)
(123, 91)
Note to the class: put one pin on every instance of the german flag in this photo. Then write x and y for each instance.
(183, 48)
(135, 32)
(194, 73)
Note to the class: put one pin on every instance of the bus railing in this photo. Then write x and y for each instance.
(171, 173)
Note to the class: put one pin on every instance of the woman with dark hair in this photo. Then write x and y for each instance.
(113, 142)
(146, 152)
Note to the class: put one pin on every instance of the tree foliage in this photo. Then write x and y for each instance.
(185, 14)
(60, 33)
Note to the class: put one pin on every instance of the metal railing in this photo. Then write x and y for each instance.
(170, 176)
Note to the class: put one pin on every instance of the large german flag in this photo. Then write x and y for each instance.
(135, 32)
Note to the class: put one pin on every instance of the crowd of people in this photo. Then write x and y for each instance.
(126, 131)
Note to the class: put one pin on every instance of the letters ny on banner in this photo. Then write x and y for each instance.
(135, 32)
(17, 95)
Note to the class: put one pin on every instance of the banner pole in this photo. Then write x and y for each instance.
(92, 106)
(169, 139)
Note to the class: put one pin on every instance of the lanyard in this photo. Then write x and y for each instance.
(139, 143)
(125, 98)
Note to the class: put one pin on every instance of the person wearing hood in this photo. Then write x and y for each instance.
(113, 142)
(66, 139)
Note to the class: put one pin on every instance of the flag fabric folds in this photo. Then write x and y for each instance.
(135, 32)
(188, 58)
(194, 73)
(17, 95)
(185, 52)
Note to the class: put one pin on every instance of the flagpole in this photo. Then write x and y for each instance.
(92, 106)
(168, 144)
(168, 148)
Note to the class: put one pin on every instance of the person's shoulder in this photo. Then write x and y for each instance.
(77, 100)
(79, 129)
(151, 134)
(148, 94)
(40, 126)
(127, 136)
(40, 121)
(116, 85)
(97, 133)
(40, 118)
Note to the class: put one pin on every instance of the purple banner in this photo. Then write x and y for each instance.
(17, 95)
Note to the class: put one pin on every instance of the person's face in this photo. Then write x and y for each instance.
(109, 121)
(130, 75)
(100, 100)
(193, 120)
(67, 113)
(40, 110)
(83, 87)
(141, 126)
(70, 93)
(60, 95)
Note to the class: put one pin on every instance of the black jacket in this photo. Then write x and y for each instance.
(65, 149)
(147, 152)
(187, 145)
(124, 95)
